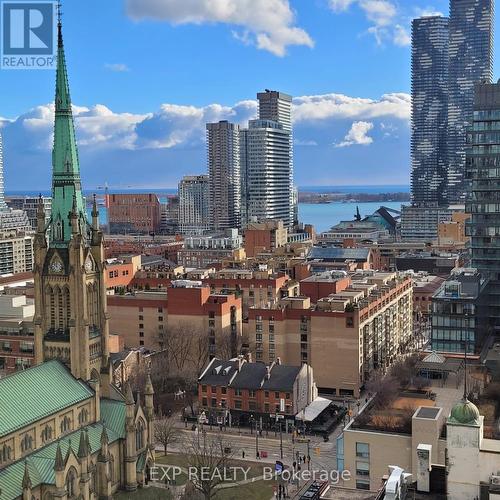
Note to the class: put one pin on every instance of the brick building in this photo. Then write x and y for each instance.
(133, 213)
(239, 390)
(344, 336)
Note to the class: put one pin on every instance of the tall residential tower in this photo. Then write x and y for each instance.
(470, 61)
(223, 147)
(429, 111)
(267, 161)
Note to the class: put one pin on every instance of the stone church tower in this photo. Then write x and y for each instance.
(71, 322)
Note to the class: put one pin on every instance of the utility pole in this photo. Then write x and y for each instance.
(256, 440)
(281, 441)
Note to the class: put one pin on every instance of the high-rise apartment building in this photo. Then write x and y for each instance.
(29, 204)
(194, 204)
(483, 172)
(470, 61)
(223, 147)
(3, 205)
(266, 154)
(429, 111)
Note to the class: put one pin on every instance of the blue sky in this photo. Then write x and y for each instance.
(146, 75)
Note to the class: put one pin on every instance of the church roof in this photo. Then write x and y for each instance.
(30, 395)
(41, 462)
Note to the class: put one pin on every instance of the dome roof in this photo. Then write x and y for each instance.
(464, 412)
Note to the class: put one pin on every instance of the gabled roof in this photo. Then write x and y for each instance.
(30, 395)
(282, 378)
(250, 376)
(218, 372)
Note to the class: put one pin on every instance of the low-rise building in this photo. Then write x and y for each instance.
(354, 232)
(431, 262)
(240, 391)
(17, 350)
(265, 236)
(119, 273)
(322, 259)
(345, 336)
(204, 251)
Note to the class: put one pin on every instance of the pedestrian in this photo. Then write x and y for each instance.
(304, 459)
(258, 455)
(243, 453)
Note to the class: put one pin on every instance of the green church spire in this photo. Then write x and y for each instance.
(66, 183)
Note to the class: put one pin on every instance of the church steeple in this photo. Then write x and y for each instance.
(66, 183)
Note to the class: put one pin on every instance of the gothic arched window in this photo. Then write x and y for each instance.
(26, 443)
(71, 483)
(5, 454)
(139, 434)
(65, 425)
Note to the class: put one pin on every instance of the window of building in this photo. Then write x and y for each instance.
(349, 322)
(223, 390)
(141, 317)
(141, 325)
(362, 484)
(251, 394)
(363, 450)
(266, 407)
(71, 483)
(287, 395)
(203, 388)
(26, 443)
(141, 334)
(277, 395)
(204, 402)
(65, 424)
(141, 342)
(362, 469)
(160, 309)
(160, 318)
(213, 389)
(213, 402)
(237, 404)
(139, 435)
(252, 405)
(237, 392)
(266, 394)
(5, 454)
(211, 314)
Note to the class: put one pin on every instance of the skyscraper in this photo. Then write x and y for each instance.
(224, 173)
(266, 154)
(483, 172)
(429, 96)
(470, 62)
(194, 204)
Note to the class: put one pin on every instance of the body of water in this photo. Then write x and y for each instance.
(325, 215)
(322, 215)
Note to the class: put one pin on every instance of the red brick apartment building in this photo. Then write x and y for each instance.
(133, 213)
(255, 390)
(142, 319)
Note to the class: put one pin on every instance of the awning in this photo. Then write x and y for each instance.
(313, 410)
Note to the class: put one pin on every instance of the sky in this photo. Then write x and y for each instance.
(146, 75)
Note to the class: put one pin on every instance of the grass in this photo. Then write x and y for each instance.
(260, 490)
(256, 469)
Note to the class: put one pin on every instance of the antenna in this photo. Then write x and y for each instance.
(59, 12)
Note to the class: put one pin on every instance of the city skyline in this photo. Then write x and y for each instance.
(340, 124)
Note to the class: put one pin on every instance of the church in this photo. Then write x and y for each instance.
(65, 431)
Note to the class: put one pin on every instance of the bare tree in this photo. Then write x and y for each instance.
(207, 456)
(165, 431)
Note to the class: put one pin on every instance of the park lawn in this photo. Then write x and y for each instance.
(260, 490)
(256, 469)
(149, 493)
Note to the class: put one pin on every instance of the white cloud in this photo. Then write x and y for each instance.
(427, 12)
(174, 126)
(117, 67)
(357, 135)
(268, 24)
(338, 106)
(340, 5)
(387, 23)
(301, 142)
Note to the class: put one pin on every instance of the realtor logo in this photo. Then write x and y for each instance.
(28, 35)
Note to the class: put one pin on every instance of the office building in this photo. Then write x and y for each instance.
(422, 222)
(483, 172)
(266, 152)
(194, 204)
(223, 147)
(133, 213)
(429, 111)
(470, 62)
(16, 252)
